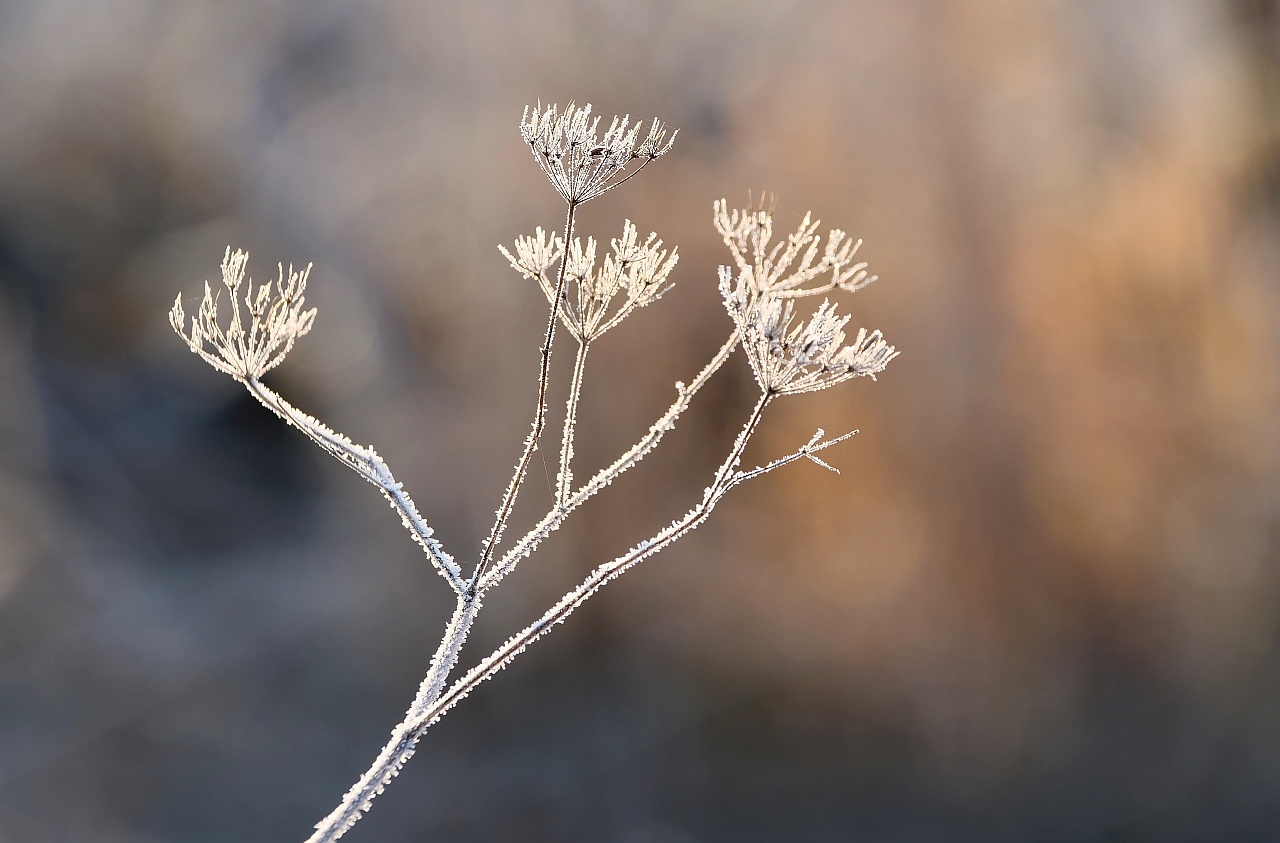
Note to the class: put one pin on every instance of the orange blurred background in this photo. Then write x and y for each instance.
(1039, 602)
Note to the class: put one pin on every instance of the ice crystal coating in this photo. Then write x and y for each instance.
(535, 255)
(275, 320)
(579, 163)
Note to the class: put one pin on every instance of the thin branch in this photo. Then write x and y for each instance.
(725, 479)
(539, 418)
(365, 462)
(405, 736)
(628, 178)
(806, 451)
(564, 479)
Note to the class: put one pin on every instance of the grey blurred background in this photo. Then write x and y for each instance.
(1040, 603)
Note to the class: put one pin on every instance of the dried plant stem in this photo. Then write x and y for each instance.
(557, 515)
(539, 417)
(365, 462)
(430, 705)
(725, 479)
(401, 745)
(564, 479)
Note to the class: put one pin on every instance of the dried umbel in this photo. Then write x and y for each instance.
(787, 358)
(640, 270)
(761, 269)
(580, 164)
(276, 320)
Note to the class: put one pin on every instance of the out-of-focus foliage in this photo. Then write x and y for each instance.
(1039, 603)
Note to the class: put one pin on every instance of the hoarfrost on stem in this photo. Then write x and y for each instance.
(760, 289)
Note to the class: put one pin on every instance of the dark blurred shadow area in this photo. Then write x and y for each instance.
(1039, 602)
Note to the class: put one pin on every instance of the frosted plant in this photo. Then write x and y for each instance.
(787, 357)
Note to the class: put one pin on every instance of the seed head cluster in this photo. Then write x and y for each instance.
(789, 358)
(276, 320)
(580, 164)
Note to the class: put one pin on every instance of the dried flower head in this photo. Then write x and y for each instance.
(748, 231)
(275, 321)
(535, 255)
(641, 269)
(580, 165)
(808, 357)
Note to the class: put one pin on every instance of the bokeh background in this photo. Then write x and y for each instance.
(1040, 602)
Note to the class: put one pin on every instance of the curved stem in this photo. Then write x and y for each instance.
(365, 462)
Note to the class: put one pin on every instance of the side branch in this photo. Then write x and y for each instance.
(365, 462)
(539, 417)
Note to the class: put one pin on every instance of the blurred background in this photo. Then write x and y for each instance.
(1040, 602)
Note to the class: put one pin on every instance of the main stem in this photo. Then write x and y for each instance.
(564, 480)
(403, 739)
(400, 747)
(540, 415)
(431, 702)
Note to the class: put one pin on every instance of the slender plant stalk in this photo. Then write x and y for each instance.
(403, 742)
(400, 747)
(539, 416)
(564, 480)
(725, 479)
(430, 706)
(637, 452)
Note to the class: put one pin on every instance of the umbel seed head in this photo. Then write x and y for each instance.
(275, 320)
(580, 164)
(632, 276)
